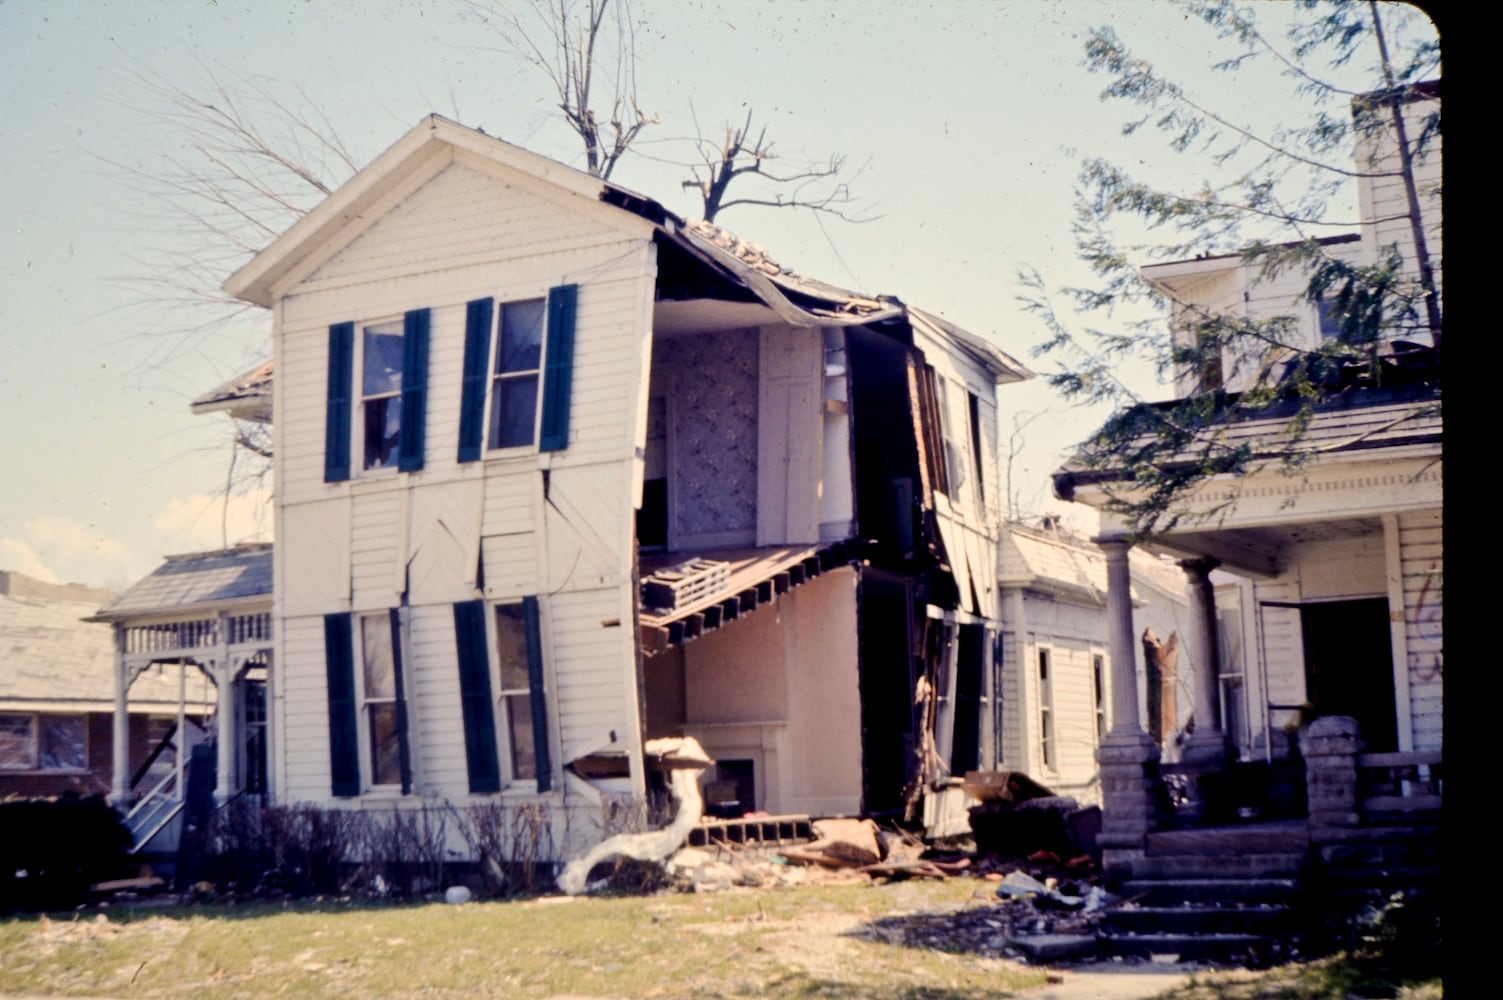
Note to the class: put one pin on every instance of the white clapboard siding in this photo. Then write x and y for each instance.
(789, 442)
(1423, 564)
(459, 212)
(314, 549)
(303, 712)
(433, 686)
(375, 549)
(589, 648)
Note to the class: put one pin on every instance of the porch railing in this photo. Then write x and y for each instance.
(154, 810)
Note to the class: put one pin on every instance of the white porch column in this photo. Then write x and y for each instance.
(1128, 756)
(225, 731)
(120, 763)
(1207, 745)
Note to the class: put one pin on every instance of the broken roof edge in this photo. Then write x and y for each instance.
(247, 396)
(1004, 367)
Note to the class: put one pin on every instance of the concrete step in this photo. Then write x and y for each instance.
(1283, 837)
(1250, 948)
(1269, 920)
(1234, 866)
(1177, 891)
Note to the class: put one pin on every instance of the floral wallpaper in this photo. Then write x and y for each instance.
(714, 412)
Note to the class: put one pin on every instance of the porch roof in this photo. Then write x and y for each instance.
(197, 581)
(1358, 419)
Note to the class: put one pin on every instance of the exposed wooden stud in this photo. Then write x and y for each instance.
(730, 609)
(748, 598)
(711, 617)
(764, 591)
(694, 626)
(675, 632)
(654, 639)
(812, 567)
(780, 583)
(795, 574)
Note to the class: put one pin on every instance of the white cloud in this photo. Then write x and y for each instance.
(202, 521)
(69, 539)
(22, 558)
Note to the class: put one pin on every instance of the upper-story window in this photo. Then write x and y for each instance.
(516, 373)
(381, 393)
(384, 376)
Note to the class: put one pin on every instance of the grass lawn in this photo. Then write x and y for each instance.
(796, 942)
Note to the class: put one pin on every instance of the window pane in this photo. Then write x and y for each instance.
(386, 748)
(524, 760)
(511, 647)
(383, 427)
(383, 360)
(521, 336)
(380, 675)
(17, 746)
(514, 412)
(63, 743)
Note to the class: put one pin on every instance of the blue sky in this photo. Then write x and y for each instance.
(970, 119)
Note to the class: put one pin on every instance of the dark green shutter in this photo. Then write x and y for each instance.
(344, 730)
(539, 693)
(396, 663)
(475, 697)
(558, 372)
(341, 386)
(477, 355)
(414, 390)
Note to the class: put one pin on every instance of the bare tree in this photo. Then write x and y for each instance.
(574, 47)
(818, 188)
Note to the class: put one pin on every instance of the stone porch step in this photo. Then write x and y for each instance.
(1177, 891)
(1192, 947)
(1271, 920)
(1278, 837)
(1223, 866)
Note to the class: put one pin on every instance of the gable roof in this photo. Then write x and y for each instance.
(198, 581)
(246, 396)
(797, 300)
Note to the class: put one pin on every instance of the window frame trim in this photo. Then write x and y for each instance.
(36, 767)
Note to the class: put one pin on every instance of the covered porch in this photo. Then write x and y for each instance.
(203, 619)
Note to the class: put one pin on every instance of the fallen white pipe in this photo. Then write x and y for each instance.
(655, 845)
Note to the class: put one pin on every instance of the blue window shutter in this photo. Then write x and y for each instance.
(558, 374)
(539, 694)
(341, 387)
(403, 753)
(414, 390)
(344, 732)
(476, 705)
(477, 355)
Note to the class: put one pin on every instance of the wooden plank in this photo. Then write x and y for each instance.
(764, 591)
(730, 609)
(711, 617)
(654, 639)
(795, 574)
(780, 583)
(694, 626)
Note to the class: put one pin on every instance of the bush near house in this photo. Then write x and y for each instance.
(52, 850)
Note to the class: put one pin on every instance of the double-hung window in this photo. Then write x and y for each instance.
(368, 725)
(378, 674)
(503, 694)
(518, 374)
(1047, 748)
(380, 394)
(377, 406)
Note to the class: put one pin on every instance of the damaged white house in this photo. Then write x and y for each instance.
(558, 473)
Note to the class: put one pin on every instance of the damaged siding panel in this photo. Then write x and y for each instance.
(1423, 567)
(589, 660)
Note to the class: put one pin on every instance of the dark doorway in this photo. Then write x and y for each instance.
(886, 686)
(965, 753)
(1349, 666)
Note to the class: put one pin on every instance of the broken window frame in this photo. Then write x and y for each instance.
(27, 738)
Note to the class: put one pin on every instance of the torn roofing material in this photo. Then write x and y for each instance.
(247, 396)
(189, 582)
(796, 300)
(1355, 420)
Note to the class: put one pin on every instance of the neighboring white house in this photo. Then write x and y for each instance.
(496, 377)
(1338, 611)
(1056, 672)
